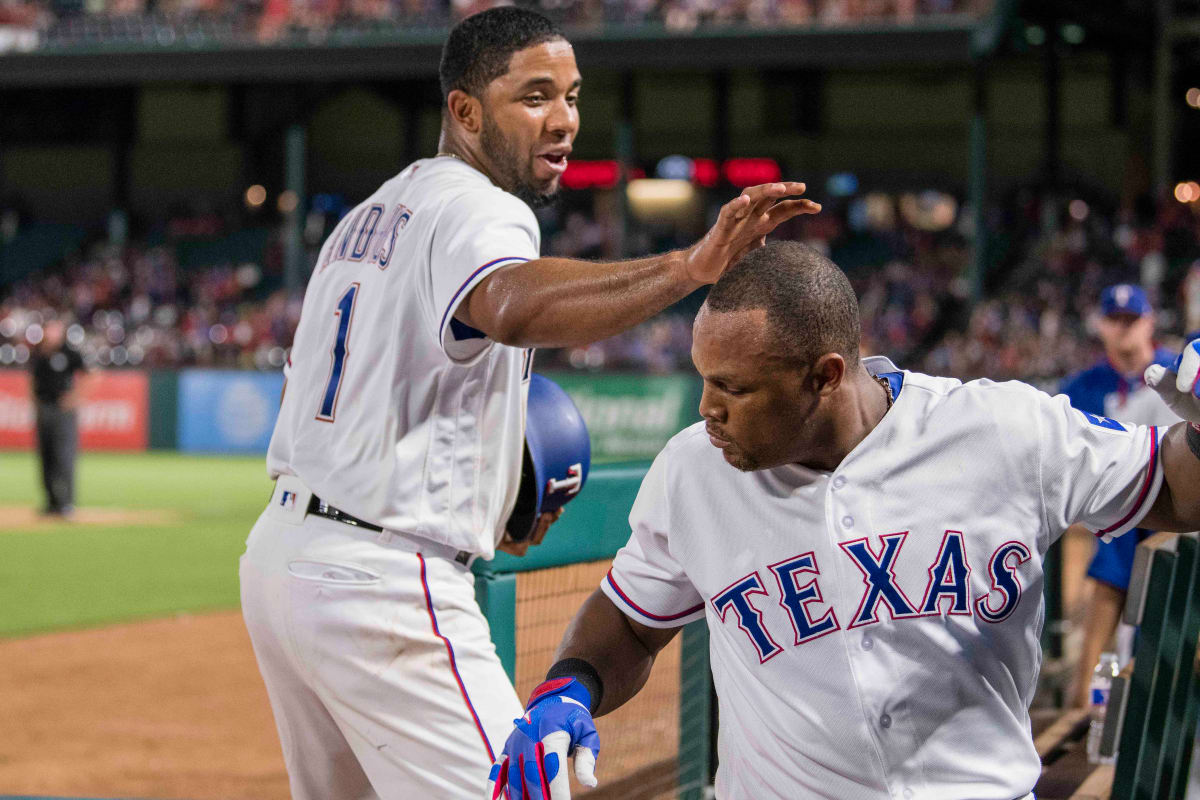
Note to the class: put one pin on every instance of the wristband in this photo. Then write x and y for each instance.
(1193, 438)
(586, 674)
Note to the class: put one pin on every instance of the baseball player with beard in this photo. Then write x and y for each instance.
(864, 544)
(397, 452)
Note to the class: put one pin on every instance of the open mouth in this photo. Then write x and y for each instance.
(556, 162)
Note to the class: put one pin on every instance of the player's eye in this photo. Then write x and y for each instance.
(572, 99)
(534, 99)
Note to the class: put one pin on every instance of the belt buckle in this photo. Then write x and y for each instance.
(463, 557)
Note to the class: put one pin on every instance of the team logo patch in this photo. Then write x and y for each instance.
(288, 500)
(1103, 422)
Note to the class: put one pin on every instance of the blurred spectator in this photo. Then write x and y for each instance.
(25, 24)
(136, 305)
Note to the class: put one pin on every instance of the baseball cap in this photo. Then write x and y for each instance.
(1124, 298)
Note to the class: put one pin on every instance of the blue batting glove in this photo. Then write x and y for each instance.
(557, 722)
(1179, 386)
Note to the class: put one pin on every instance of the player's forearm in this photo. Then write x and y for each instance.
(604, 637)
(559, 302)
(1102, 615)
(1178, 505)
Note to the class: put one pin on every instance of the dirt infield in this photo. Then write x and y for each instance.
(164, 709)
(24, 518)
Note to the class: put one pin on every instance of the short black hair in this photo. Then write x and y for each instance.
(810, 303)
(480, 47)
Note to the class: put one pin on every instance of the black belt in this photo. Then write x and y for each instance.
(322, 509)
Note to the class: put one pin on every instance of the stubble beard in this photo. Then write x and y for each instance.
(506, 164)
(740, 460)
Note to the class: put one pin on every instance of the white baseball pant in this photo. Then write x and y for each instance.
(378, 662)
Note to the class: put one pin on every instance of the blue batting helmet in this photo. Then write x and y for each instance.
(558, 454)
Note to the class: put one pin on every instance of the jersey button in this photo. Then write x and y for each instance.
(839, 481)
(885, 721)
(867, 643)
(847, 521)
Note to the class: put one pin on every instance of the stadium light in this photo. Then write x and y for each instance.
(1193, 97)
(1072, 33)
(256, 195)
(591, 175)
(743, 172)
(1187, 191)
(658, 200)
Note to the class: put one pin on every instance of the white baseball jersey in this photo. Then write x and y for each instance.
(874, 630)
(394, 411)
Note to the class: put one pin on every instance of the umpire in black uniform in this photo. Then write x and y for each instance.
(54, 364)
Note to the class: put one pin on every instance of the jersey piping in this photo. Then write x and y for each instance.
(695, 611)
(1151, 471)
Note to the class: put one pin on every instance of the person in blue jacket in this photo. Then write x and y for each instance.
(1115, 388)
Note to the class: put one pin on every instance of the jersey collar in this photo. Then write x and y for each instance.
(882, 367)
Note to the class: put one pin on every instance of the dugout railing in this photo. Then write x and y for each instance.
(1155, 702)
(660, 744)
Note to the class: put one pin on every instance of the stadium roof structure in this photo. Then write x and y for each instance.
(345, 55)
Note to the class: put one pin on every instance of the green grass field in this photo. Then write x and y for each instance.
(71, 575)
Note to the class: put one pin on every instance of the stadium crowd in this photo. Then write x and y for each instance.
(28, 24)
(136, 305)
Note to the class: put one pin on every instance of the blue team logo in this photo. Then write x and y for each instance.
(1103, 422)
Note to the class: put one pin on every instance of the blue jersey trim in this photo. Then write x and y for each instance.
(454, 300)
(895, 381)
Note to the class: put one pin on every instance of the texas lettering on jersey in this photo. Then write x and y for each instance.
(796, 588)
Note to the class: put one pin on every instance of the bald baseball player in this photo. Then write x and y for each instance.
(864, 544)
(397, 452)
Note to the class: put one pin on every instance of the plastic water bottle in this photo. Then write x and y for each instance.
(1101, 685)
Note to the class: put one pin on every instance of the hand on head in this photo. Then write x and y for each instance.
(743, 225)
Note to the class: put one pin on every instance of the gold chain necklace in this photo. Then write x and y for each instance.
(887, 387)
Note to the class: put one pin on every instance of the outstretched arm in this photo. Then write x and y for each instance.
(618, 648)
(559, 302)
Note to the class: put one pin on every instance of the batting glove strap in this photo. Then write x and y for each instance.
(584, 673)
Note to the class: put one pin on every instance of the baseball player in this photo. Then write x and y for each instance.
(398, 447)
(865, 546)
(1115, 388)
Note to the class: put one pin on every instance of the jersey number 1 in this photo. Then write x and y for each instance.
(341, 348)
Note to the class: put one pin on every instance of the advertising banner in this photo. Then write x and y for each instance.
(631, 417)
(227, 411)
(114, 414)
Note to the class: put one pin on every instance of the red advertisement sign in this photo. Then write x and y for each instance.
(114, 414)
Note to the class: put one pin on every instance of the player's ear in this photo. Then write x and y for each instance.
(465, 110)
(827, 373)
